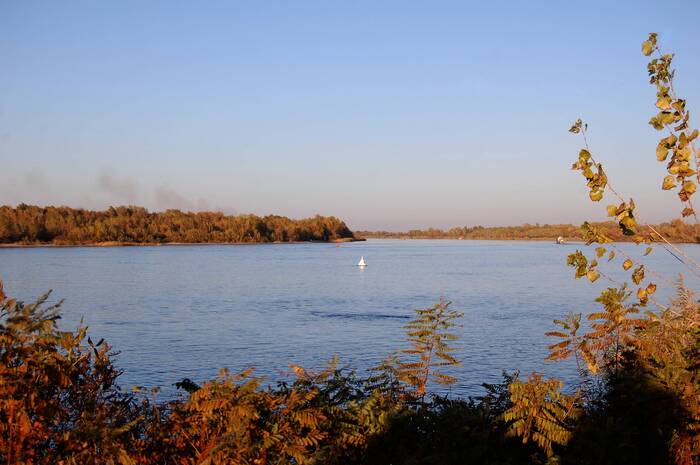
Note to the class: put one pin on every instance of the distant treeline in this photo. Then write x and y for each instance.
(675, 231)
(30, 224)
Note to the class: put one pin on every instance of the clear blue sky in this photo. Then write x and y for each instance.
(388, 114)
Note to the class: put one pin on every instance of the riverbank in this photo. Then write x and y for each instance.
(449, 238)
(676, 231)
(163, 244)
(511, 239)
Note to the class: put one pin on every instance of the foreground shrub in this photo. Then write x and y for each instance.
(60, 403)
(58, 398)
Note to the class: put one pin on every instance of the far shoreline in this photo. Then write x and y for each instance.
(40, 245)
(511, 239)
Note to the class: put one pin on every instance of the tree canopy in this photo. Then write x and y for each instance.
(129, 224)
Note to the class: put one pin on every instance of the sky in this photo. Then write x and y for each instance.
(388, 114)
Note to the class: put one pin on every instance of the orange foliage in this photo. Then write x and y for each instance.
(62, 225)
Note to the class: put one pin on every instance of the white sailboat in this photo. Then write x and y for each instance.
(362, 262)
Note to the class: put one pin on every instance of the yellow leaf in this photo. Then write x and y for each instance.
(664, 103)
(576, 127)
(647, 48)
(638, 274)
(679, 105)
(593, 275)
(689, 187)
(596, 195)
(627, 264)
(642, 296)
(684, 153)
(628, 222)
(669, 183)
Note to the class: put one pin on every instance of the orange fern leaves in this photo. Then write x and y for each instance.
(232, 420)
(540, 412)
(570, 339)
(429, 335)
(613, 330)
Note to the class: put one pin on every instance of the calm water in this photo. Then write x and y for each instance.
(176, 312)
